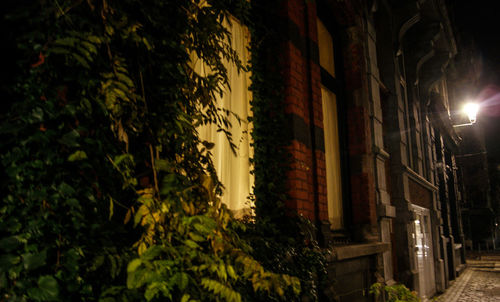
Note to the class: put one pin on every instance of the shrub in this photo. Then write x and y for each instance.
(394, 293)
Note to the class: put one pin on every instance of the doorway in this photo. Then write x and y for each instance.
(424, 252)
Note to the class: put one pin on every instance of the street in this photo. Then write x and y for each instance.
(479, 282)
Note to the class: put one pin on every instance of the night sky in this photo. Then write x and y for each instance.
(481, 20)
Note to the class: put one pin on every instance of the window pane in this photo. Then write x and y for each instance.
(325, 44)
(332, 158)
(234, 170)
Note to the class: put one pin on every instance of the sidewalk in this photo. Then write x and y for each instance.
(479, 282)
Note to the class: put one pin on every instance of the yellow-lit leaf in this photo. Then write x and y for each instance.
(192, 209)
(142, 248)
(231, 272)
(222, 271)
(196, 237)
(191, 244)
(146, 43)
(280, 291)
(111, 206)
(139, 214)
(186, 208)
(127, 217)
(78, 155)
(133, 265)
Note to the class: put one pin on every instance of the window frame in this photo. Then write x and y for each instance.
(336, 86)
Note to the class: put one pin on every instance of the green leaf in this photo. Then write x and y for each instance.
(152, 252)
(77, 155)
(9, 243)
(151, 292)
(8, 260)
(133, 265)
(114, 265)
(136, 279)
(185, 298)
(204, 229)
(231, 272)
(191, 244)
(80, 60)
(124, 78)
(221, 271)
(94, 39)
(196, 237)
(66, 189)
(37, 114)
(48, 289)
(73, 203)
(123, 157)
(33, 261)
(163, 165)
(98, 261)
(141, 212)
(183, 281)
(70, 139)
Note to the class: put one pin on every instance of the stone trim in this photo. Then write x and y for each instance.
(358, 250)
(385, 210)
(418, 178)
(381, 152)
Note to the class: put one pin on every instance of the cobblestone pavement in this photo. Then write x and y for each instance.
(480, 282)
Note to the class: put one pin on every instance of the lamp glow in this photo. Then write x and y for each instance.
(471, 110)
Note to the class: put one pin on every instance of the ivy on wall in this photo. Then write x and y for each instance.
(107, 192)
(281, 240)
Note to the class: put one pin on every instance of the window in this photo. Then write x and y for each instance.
(331, 127)
(233, 170)
(404, 106)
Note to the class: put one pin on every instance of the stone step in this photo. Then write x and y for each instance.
(484, 269)
(491, 258)
(481, 261)
(483, 266)
(489, 266)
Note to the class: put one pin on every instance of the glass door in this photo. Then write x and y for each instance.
(424, 252)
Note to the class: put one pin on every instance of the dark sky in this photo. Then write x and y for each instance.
(481, 20)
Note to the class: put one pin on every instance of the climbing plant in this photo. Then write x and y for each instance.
(108, 192)
(281, 240)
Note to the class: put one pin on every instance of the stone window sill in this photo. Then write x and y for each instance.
(357, 250)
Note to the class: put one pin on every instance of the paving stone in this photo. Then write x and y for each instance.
(478, 283)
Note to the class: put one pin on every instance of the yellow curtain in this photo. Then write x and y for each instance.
(233, 170)
(332, 157)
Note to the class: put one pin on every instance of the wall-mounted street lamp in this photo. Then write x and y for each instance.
(470, 109)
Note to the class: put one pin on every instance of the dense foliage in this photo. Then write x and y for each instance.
(107, 192)
(393, 293)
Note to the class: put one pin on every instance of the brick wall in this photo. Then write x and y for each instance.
(419, 195)
(306, 179)
(301, 71)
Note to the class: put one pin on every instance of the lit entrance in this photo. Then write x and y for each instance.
(423, 252)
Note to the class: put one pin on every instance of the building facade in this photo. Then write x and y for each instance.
(369, 96)
(370, 92)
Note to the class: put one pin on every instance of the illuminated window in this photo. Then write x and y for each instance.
(331, 127)
(233, 170)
